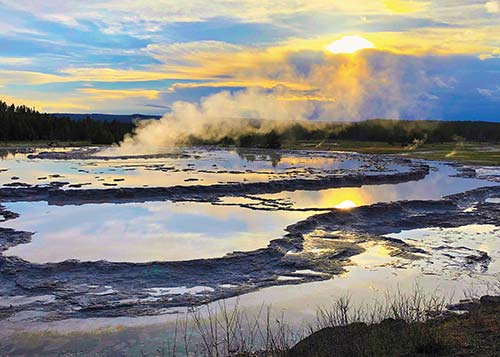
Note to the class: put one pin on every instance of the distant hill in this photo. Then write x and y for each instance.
(123, 118)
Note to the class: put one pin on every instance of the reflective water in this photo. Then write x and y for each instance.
(372, 275)
(142, 232)
(186, 167)
(154, 231)
(456, 251)
(376, 272)
(439, 183)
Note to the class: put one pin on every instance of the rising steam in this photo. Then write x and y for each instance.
(215, 117)
(343, 88)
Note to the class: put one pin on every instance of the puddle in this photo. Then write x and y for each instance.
(6, 301)
(179, 290)
(375, 255)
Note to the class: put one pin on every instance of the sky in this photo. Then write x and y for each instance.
(416, 59)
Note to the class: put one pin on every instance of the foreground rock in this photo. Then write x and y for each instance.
(476, 333)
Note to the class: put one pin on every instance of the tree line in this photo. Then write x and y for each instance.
(21, 123)
(395, 132)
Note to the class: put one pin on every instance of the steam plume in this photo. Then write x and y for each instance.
(368, 85)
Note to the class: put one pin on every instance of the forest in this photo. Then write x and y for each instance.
(394, 132)
(21, 123)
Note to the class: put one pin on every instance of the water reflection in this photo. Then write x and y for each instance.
(250, 156)
(156, 231)
(346, 204)
(451, 251)
(188, 167)
(439, 183)
(372, 275)
(376, 272)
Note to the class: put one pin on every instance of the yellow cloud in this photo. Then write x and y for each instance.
(425, 41)
(247, 10)
(404, 7)
(90, 75)
(113, 94)
(438, 41)
(492, 6)
(47, 105)
(112, 75)
(15, 61)
(261, 82)
(304, 98)
(82, 100)
(28, 77)
(218, 65)
(260, 66)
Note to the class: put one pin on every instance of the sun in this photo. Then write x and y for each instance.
(347, 204)
(349, 44)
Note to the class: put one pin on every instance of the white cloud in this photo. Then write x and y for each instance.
(63, 19)
(490, 93)
(448, 83)
(8, 28)
(150, 14)
(112, 11)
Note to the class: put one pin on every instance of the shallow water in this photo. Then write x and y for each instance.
(454, 251)
(186, 167)
(167, 231)
(178, 231)
(142, 232)
(372, 275)
(439, 183)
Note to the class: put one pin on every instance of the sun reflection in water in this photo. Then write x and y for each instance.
(342, 198)
(347, 204)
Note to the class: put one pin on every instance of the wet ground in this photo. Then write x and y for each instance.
(92, 238)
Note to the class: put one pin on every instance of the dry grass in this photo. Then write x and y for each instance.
(218, 330)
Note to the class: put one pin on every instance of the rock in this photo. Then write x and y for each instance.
(463, 305)
(490, 300)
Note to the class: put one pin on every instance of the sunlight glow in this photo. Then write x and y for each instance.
(349, 44)
(347, 204)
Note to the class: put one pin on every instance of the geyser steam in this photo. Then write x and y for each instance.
(215, 117)
(369, 84)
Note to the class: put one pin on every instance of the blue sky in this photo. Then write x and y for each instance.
(427, 59)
